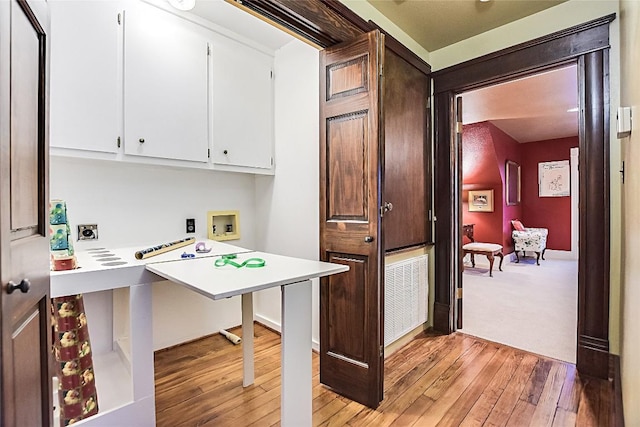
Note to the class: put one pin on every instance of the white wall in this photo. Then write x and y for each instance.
(630, 330)
(287, 209)
(143, 204)
(564, 15)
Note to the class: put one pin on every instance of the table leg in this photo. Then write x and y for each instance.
(247, 340)
(141, 353)
(295, 406)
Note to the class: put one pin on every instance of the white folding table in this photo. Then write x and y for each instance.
(293, 275)
(199, 274)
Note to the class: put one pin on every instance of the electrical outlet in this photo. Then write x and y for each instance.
(191, 225)
(87, 231)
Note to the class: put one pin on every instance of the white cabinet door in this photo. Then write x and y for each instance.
(84, 75)
(165, 86)
(242, 106)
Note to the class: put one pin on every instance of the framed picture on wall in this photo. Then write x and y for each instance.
(554, 179)
(512, 189)
(481, 201)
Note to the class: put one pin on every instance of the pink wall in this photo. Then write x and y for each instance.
(485, 150)
(553, 213)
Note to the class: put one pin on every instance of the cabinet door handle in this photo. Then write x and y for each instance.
(24, 286)
(141, 140)
(225, 152)
(368, 239)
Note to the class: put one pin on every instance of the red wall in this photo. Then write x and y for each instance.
(506, 148)
(480, 172)
(553, 213)
(485, 150)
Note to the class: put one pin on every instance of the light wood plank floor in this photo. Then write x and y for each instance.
(435, 380)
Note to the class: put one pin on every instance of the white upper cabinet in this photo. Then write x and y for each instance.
(242, 114)
(166, 86)
(84, 75)
(132, 81)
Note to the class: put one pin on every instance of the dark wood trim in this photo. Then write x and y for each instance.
(527, 57)
(402, 51)
(445, 234)
(324, 23)
(327, 23)
(593, 275)
(586, 44)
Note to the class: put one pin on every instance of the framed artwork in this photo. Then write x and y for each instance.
(554, 179)
(481, 201)
(512, 189)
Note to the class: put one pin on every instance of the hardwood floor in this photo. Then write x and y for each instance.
(435, 380)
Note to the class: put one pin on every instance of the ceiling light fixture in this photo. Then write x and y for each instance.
(485, 1)
(182, 4)
(572, 110)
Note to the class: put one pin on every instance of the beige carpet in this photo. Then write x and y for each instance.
(526, 306)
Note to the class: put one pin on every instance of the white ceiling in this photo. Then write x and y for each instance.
(240, 22)
(528, 109)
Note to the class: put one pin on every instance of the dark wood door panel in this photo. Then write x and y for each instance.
(353, 357)
(31, 367)
(406, 176)
(347, 177)
(347, 78)
(25, 108)
(347, 311)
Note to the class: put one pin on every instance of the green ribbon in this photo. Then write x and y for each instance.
(249, 263)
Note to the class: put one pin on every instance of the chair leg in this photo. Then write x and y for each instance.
(473, 260)
(543, 251)
(501, 255)
(490, 258)
(517, 257)
(538, 258)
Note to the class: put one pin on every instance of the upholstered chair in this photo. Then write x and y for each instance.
(529, 239)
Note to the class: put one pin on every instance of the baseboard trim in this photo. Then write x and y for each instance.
(617, 413)
(277, 328)
(268, 323)
(593, 357)
(441, 318)
(556, 254)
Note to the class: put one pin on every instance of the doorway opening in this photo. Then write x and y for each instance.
(514, 133)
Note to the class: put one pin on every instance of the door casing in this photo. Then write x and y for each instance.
(588, 46)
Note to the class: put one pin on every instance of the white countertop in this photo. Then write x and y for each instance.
(202, 276)
(122, 267)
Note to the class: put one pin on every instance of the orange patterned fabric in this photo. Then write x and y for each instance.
(74, 365)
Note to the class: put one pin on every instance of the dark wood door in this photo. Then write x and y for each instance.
(24, 246)
(351, 164)
(407, 155)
